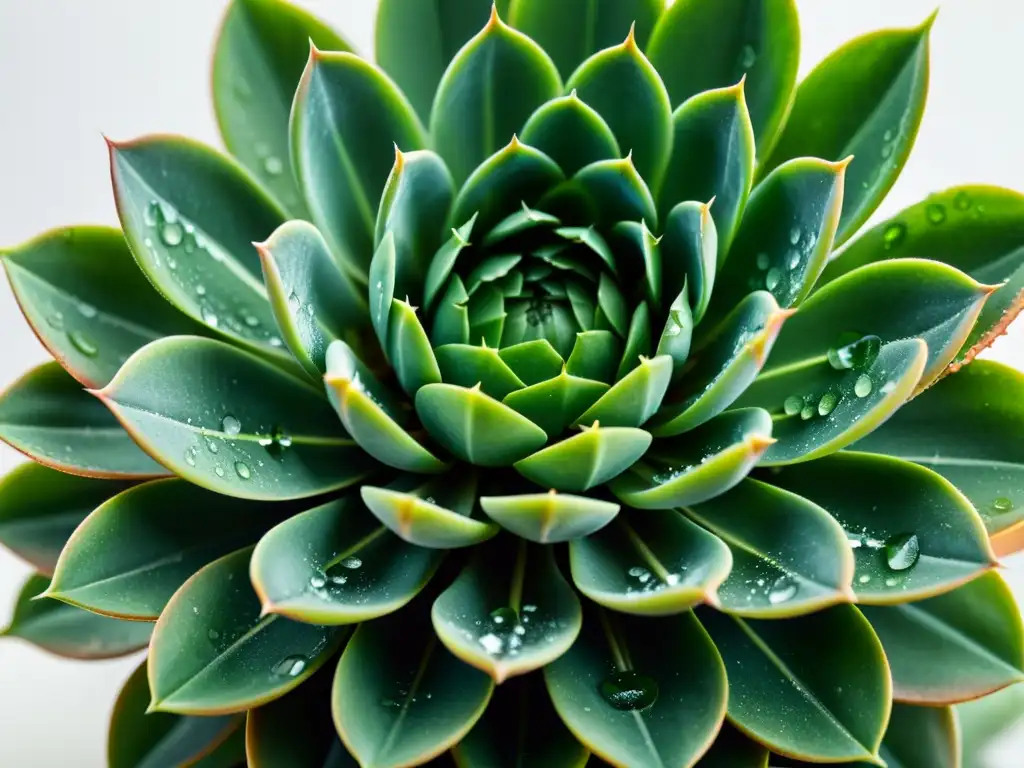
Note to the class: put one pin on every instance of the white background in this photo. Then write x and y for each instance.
(71, 69)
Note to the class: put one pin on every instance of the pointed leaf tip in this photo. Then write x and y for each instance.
(630, 43)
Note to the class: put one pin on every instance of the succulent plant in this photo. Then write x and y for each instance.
(539, 423)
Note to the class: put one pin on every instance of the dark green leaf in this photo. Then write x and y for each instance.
(556, 403)
(133, 552)
(635, 398)
(213, 653)
(412, 358)
(487, 93)
(49, 417)
(789, 556)
(611, 191)
(71, 632)
(698, 46)
(451, 320)
(400, 698)
(638, 340)
(955, 647)
(732, 749)
(40, 508)
(595, 355)
(191, 216)
(689, 248)
(677, 335)
(228, 421)
(468, 366)
(551, 517)
(443, 262)
(586, 460)
(336, 564)
(532, 361)
(84, 296)
(571, 133)
(650, 564)
(260, 53)
(883, 77)
(347, 120)
(382, 287)
(815, 687)
(639, 691)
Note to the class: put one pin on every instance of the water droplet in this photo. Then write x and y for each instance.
(243, 470)
(936, 213)
(83, 343)
(274, 341)
(771, 280)
(859, 354)
(491, 643)
(794, 259)
(902, 551)
(152, 214)
(629, 691)
(352, 563)
(86, 310)
(219, 471)
(782, 590)
(886, 150)
(891, 582)
(887, 136)
(212, 446)
(794, 235)
(862, 387)
(294, 302)
(863, 579)
(200, 289)
(190, 456)
(748, 57)
(273, 165)
(529, 609)
(276, 442)
(793, 405)
(56, 320)
(213, 634)
(172, 233)
(807, 413)
(505, 616)
(962, 201)
(640, 573)
(209, 316)
(827, 404)
(317, 582)
(763, 261)
(893, 235)
(230, 425)
(1002, 504)
(290, 666)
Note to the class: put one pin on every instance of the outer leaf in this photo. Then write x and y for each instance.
(973, 422)
(260, 53)
(71, 632)
(487, 93)
(510, 611)
(699, 465)
(979, 230)
(677, 657)
(49, 417)
(784, 683)
(883, 77)
(40, 508)
(415, 41)
(734, 750)
(921, 737)
(212, 653)
(465, 421)
(789, 556)
(699, 46)
(712, 158)
(953, 544)
(346, 121)
(399, 697)
(336, 564)
(520, 727)
(955, 647)
(84, 296)
(571, 133)
(620, 83)
(549, 518)
(690, 248)
(157, 739)
(196, 248)
(409, 350)
(134, 551)
(650, 564)
(179, 396)
(313, 301)
(586, 460)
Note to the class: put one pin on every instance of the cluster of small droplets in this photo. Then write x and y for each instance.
(858, 355)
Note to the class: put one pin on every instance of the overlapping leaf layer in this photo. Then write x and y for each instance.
(537, 424)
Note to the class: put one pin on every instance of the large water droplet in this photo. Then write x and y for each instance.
(902, 551)
(56, 320)
(863, 386)
(936, 213)
(276, 442)
(807, 412)
(629, 691)
(218, 471)
(782, 590)
(209, 316)
(1002, 504)
(827, 404)
(893, 235)
(190, 456)
(352, 563)
(748, 56)
(83, 344)
(492, 643)
(962, 201)
(317, 581)
(794, 235)
(243, 470)
(230, 424)
(172, 233)
(793, 405)
(639, 573)
(772, 279)
(273, 166)
(860, 354)
(86, 310)
(290, 666)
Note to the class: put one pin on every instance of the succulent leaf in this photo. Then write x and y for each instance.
(571, 133)
(586, 460)
(551, 517)
(732, 749)
(690, 248)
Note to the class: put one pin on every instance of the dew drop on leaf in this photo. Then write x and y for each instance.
(172, 233)
(807, 413)
(243, 470)
(317, 581)
(230, 424)
(936, 213)
(83, 343)
(190, 456)
(213, 634)
(893, 235)
(218, 471)
(827, 403)
(748, 57)
(210, 317)
(782, 590)
(862, 387)
(56, 320)
(902, 551)
(793, 405)
(86, 310)
(794, 235)
(505, 615)
(352, 563)
(962, 201)
(763, 261)
(290, 666)
(629, 691)
(1002, 504)
(273, 166)
(772, 279)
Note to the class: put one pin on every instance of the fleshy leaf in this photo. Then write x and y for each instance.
(689, 248)
(571, 133)
(949, 543)
(532, 361)
(789, 556)
(70, 632)
(196, 247)
(586, 460)
(49, 417)
(698, 46)
(699, 465)
(556, 403)
(594, 356)
(40, 508)
(824, 701)
(347, 119)
(551, 517)
(313, 301)
(610, 190)
(677, 335)
(732, 749)
(84, 296)
(487, 93)
(213, 653)
(273, 436)
(467, 366)
(638, 340)
(883, 77)
(635, 397)
(382, 287)
(465, 420)
(451, 319)
(336, 564)
(133, 552)
(412, 357)
(139, 739)
(399, 697)
(653, 564)
(443, 262)
(639, 691)
(955, 647)
(510, 611)
(260, 53)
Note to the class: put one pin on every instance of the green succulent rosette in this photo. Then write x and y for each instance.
(502, 402)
